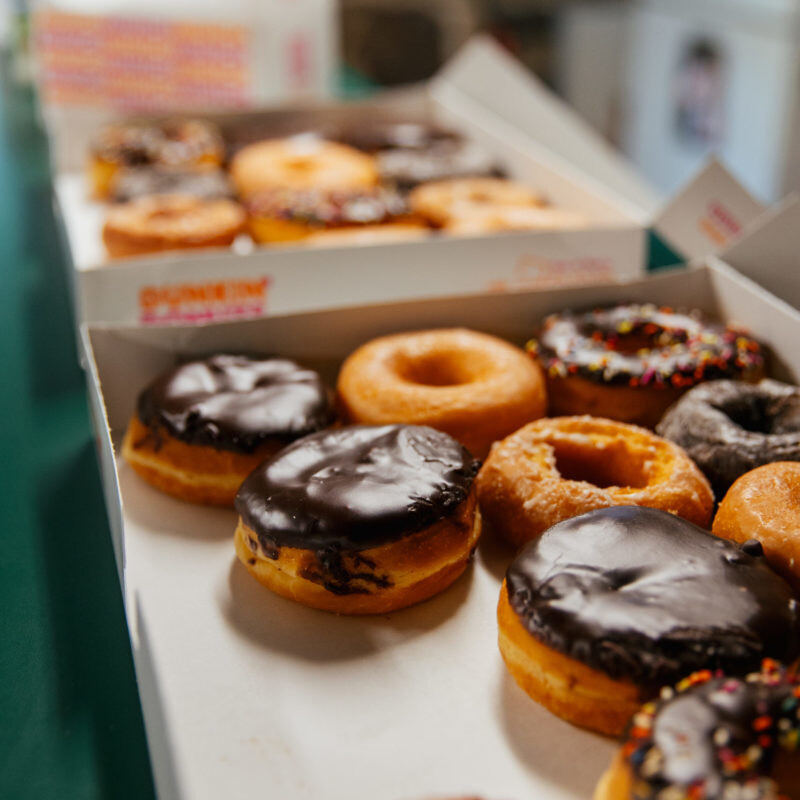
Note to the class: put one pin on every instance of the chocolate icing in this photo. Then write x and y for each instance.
(374, 136)
(712, 732)
(641, 594)
(729, 427)
(643, 345)
(236, 402)
(354, 488)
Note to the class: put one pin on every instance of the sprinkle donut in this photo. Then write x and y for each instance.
(712, 737)
(631, 362)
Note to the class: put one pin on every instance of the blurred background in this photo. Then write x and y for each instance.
(665, 81)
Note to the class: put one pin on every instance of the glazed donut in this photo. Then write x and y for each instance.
(514, 218)
(407, 167)
(171, 222)
(301, 162)
(630, 362)
(201, 428)
(187, 143)
(712, 736)
(134, 182)
(360, 519)
(443, 202)
(730, 427)
(357, 236)
(764, 504)
(284, 215)
(471, 385)
(605, 608)
(560, 467)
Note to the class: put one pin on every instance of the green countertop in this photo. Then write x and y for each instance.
(71, 721)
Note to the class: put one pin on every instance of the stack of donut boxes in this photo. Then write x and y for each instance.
(317, 306)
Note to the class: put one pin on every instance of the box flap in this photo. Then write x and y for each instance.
(769, 252)
(487, 75)
(709, 213)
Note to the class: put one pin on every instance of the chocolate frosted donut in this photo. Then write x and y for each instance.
(729, 428)
(623, 600)
(133, 182)
(372, 137)
(631, 362)
(712, 737)
(200, 429)
(360, 519)
(406, 168)
(236, 402)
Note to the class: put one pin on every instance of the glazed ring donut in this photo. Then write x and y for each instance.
(186, 144)
(283, 215)
(730, 427)
(559, 467)
(301, 162)
(171, 222)
(201, 428)
(712, 736)
(473, 386)
(764, 504)
(442, 202)
(631, 362)
(360, 519)
(605, 608)
(514, 218)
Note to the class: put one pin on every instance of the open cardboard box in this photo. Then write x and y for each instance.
(246, 281)
(246, 693)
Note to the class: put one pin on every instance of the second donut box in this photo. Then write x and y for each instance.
(242, 689)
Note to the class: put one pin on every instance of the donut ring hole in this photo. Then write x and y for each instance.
(759, 414)
(604, 467)
(438, 368)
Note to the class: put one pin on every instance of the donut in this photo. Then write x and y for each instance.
(301, 162)
(712, 736)
(471, 385)
(357, 236)
(764, 504)
(407, 167)
(444, 202)
(630, 362)
(605, 608)
(360, 519)
(478, 222)
(171, 222)
(201, 428)
(560, 467)
(188, 143)
(372, 137)
(134, 182)
(729, 427)
(282, 215)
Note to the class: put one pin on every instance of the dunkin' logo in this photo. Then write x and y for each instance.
(201, 302)
(719, 224)
(537, 272)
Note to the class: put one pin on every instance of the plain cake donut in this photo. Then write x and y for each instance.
(476, 387)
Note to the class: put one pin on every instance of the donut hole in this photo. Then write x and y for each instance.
(632, 343)
(749, 413)
(435, 369)
(602, 467)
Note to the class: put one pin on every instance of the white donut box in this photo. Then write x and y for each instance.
(246, 694)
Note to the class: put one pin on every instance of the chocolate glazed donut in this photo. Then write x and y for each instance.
(712, 737)
(638, 598)
(360, 519)
(729, 427)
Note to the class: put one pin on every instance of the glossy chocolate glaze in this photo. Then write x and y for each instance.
(729, 427)
(643, 345)
(643, 595)
(714, 731)
(236, 402)
(354, 488)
